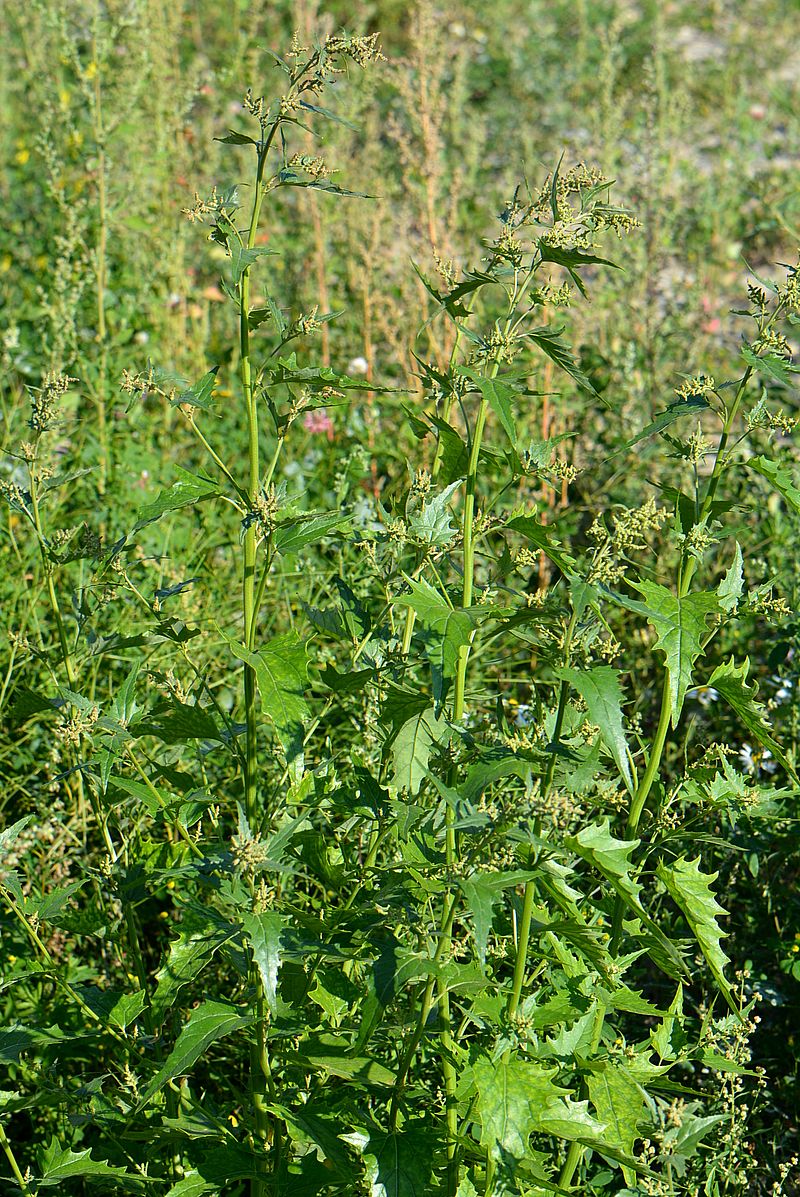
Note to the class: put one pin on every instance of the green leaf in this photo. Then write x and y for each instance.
(516, 1098)
(399, 1165)
(432, 524)
(332, 1053)
(691, 406)
(290, 178)
(210, 1021)
(669, 1037)
(197, 940)
(543, 538)
(570, 259)
(500, 396)
(558, 351)
(295, 534)
(451, 300)
(199, 395)
(188, 490)
(453, 625)
(58, 1164)
(681, 627)
(776, 368)
(327, 112)
(482, 891)
(780, 476)
(454, 454)
(316, 378)
(192, 1185)
(412, 748)
(234, 138)
(620, 1103)
(611, 857)
(242, 257)
(110, 1005)
(281, 668)
(16, 1039)
(683, 1141)
(730, 588)
(690, 889)
(9, 834)
(600, 689)
(730, 682)
(263, 932)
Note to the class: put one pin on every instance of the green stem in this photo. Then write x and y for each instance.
(249, 551)
(66, 655)
(576, 1150)
(46, 956)
(686, 576)
(468, 530)
(101, 265)
(424, 1012)
(12, 1160)
(261, 1084)
(524, 934)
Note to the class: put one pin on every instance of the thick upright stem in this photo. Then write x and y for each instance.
(12, 1159)
(260, 1069)
(66, 655)
(101, 271)
(253, 482)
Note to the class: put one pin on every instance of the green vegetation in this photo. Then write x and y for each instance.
(399, 687)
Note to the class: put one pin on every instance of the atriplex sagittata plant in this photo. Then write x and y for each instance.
(443, 921)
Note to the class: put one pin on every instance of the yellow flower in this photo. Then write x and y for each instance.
(91, 70)
(22, 156)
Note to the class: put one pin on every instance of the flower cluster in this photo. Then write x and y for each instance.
(701, 384)
(45, 400)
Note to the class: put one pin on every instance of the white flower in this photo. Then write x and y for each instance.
(747, 759)
(784, 685)
(755, 760)
(359, 365)
(523, 716)
(705, 695)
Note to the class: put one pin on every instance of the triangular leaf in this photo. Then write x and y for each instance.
(263, 930)
(691, 890)
(730, 682)
(600, 689)
(412, 748)
(207, 1023)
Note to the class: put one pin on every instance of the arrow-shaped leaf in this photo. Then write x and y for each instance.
(690, 889)
(209, 1022)
(600, 689)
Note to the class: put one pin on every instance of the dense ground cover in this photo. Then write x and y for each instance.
(398, 578)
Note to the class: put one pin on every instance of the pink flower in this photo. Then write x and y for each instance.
(318, 421)
(712, 324)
